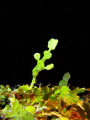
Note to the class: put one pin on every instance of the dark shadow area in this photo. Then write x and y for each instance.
(26, 29)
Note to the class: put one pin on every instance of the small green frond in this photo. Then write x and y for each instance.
(37, 56)
(49, 67)
(66, 76)
(52, 43)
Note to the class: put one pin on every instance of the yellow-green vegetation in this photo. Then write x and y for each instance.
(29, 102)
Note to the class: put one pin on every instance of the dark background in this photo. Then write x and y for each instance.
(25, 28)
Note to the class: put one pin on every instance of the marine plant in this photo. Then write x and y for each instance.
(29, 102)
